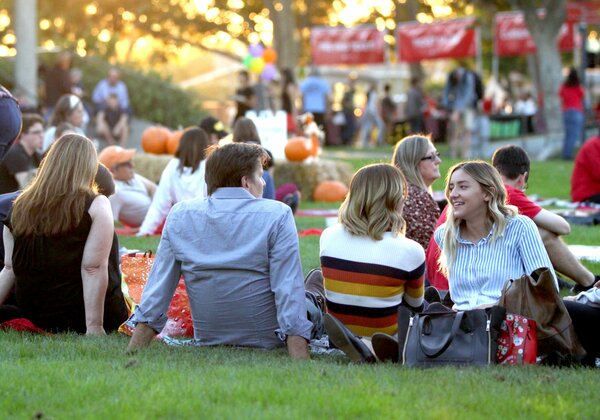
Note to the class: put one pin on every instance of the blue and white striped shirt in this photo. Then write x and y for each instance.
(481, 269)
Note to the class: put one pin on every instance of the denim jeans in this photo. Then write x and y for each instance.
(573, 122)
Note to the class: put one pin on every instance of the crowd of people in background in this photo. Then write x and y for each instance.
(392, 246)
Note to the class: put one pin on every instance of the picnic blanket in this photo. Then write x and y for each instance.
(22, 325)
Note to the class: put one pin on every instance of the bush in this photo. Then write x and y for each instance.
(152, 97)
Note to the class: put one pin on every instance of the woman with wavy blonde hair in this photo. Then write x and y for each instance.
(369, 266)
(484, 241)
(419, 161)
(58, 237)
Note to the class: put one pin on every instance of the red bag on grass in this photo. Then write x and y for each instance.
(517, 342)
(135, 268)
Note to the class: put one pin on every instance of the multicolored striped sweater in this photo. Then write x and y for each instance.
(366, 280)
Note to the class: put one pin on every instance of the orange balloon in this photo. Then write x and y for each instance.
(154, 140)
(173, 141)
(269, 55)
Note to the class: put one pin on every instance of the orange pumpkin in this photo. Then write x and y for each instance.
(330, 191)
(298, 149)
(154, 140)
(173, 141)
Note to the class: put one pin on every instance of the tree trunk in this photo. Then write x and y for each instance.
(407, 12)
(544, 31)
(26, 60)
(284, 36)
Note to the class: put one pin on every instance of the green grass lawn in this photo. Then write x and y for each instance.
(68, 376)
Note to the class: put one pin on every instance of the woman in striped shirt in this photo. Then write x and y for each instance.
(369, 266)
(484, 241)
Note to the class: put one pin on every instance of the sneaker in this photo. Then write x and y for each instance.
(385, 347)
(313, 284)
(347, 342)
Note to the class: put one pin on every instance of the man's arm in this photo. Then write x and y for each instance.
(288, 286)
(150, 316)
(552, 222)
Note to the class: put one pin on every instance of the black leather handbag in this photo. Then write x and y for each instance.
(444, 337)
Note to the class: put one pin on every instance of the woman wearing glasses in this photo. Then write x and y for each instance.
(69, 108)
(419, 161)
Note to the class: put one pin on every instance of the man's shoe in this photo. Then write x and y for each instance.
(314, 285)
(344, 340)
(385, 347)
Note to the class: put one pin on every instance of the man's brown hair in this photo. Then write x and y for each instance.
(29, 120)
(227, 164)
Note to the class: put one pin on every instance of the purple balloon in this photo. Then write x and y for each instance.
(269, 72)
(256, 50)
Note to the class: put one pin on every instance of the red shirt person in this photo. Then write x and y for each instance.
(585, 181)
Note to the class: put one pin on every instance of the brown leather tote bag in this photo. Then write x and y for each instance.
(536, 297)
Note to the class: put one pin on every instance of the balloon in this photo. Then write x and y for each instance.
(247, 60)
(256, 65)
(269, 55)
(256, 50)
(269, 72)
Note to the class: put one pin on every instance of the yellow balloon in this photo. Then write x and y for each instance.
(257, 64)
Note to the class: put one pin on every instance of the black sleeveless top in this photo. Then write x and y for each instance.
(48, 287)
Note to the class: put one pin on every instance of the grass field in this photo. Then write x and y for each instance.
(69, 376)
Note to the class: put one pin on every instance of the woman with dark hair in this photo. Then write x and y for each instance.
(69, 108)
(572, 96)
(58, 238)
(182, 179)
(244, 131)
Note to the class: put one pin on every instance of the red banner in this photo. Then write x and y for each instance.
(513, 38)
(360, 45)
(454, 38)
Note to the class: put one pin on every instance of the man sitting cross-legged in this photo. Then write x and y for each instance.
(514, 166)
(239, 256)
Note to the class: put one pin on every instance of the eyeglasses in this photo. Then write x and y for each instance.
(128, 164)
(432, 157)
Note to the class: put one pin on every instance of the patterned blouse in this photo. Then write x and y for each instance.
(421, 213)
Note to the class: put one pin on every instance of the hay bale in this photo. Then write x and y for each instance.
(307, 175)
(150, 166)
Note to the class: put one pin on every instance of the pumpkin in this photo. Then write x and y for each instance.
(173, 141)
(330, 191)
(298, 149)
(154, 140)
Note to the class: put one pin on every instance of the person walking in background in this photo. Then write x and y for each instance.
(572, 95)
(348, 109)
(316, 94)
(372, 117)
(289, 95)
(388, 110)
(245, 98)
(416, 105)
(460, 99)
(58, 81)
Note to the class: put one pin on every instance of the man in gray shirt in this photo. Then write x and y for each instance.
(239, 256)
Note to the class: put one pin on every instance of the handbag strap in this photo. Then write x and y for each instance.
(404, 316)
(431, 351)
